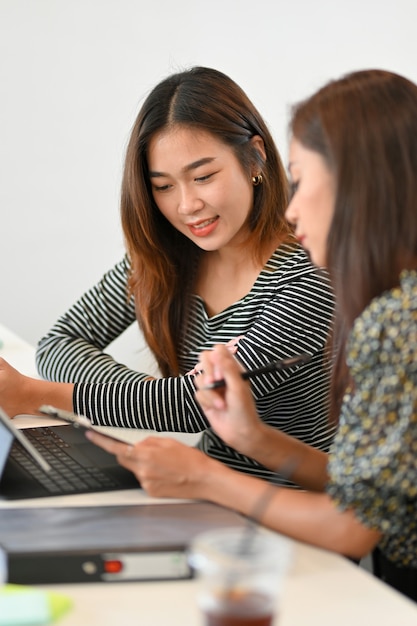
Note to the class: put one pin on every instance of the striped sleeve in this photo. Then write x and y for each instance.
(72, 351)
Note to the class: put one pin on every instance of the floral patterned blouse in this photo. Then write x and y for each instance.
(373, 460)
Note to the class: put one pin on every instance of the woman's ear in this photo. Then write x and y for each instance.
(258, 144)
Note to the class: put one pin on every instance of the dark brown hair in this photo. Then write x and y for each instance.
(365, 127)
(164, 261)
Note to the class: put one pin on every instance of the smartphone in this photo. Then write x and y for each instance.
(77, 421)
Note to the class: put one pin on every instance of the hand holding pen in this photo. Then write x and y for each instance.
(298, 359)
(232, 413)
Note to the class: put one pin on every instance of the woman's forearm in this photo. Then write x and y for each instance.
(163, 404)
(282, 453)
(37, 392)
(22, 394)
(309, 517)
(167, 468)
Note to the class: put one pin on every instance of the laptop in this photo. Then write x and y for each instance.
(55, 460)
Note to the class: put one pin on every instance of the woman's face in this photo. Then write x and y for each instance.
(200, 187)
(313, 197)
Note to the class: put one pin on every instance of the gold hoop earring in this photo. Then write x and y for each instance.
(257, 180)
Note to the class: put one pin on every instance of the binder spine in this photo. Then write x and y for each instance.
(29, 569)
(83, 567)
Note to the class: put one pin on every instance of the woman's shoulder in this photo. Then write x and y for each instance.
(393, 305)
(288, 254)
(290, 261)
(388, 325)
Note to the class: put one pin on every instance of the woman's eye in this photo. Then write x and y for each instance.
(293, 187)
(161, 187)
(203, 179)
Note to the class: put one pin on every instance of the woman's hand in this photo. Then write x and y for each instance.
(230, 345)
(230, 410)
(22, 394)
(232, 413)
(163, 466)
(12, 389)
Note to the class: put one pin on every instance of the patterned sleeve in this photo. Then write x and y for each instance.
(372, 467)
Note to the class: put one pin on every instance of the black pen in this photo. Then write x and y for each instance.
(270, 367)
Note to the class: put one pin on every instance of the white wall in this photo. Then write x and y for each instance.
(72, 76)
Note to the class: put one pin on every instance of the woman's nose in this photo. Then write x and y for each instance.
(189, 201)
(290, 213)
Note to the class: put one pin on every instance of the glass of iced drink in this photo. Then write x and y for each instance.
(240, 575)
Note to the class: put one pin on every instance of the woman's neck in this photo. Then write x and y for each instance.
(226, 276)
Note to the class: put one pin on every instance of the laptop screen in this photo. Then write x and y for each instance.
(6, 441)
(8, 432)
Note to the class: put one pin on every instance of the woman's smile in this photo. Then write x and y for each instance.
(204, 228)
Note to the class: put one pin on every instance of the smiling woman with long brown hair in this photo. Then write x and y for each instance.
(210, 258)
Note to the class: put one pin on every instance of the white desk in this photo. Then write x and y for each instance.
(321, 589)
(17, 352)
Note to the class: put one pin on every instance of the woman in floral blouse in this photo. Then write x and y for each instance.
(353, 168)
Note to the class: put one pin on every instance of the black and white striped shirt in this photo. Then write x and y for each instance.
(288, 311)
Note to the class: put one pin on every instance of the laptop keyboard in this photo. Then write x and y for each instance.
(67, 475)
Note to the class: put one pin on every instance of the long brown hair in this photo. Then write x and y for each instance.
(365, 127)
(165, 262)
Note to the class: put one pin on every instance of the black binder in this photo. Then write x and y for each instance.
(106, 543)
